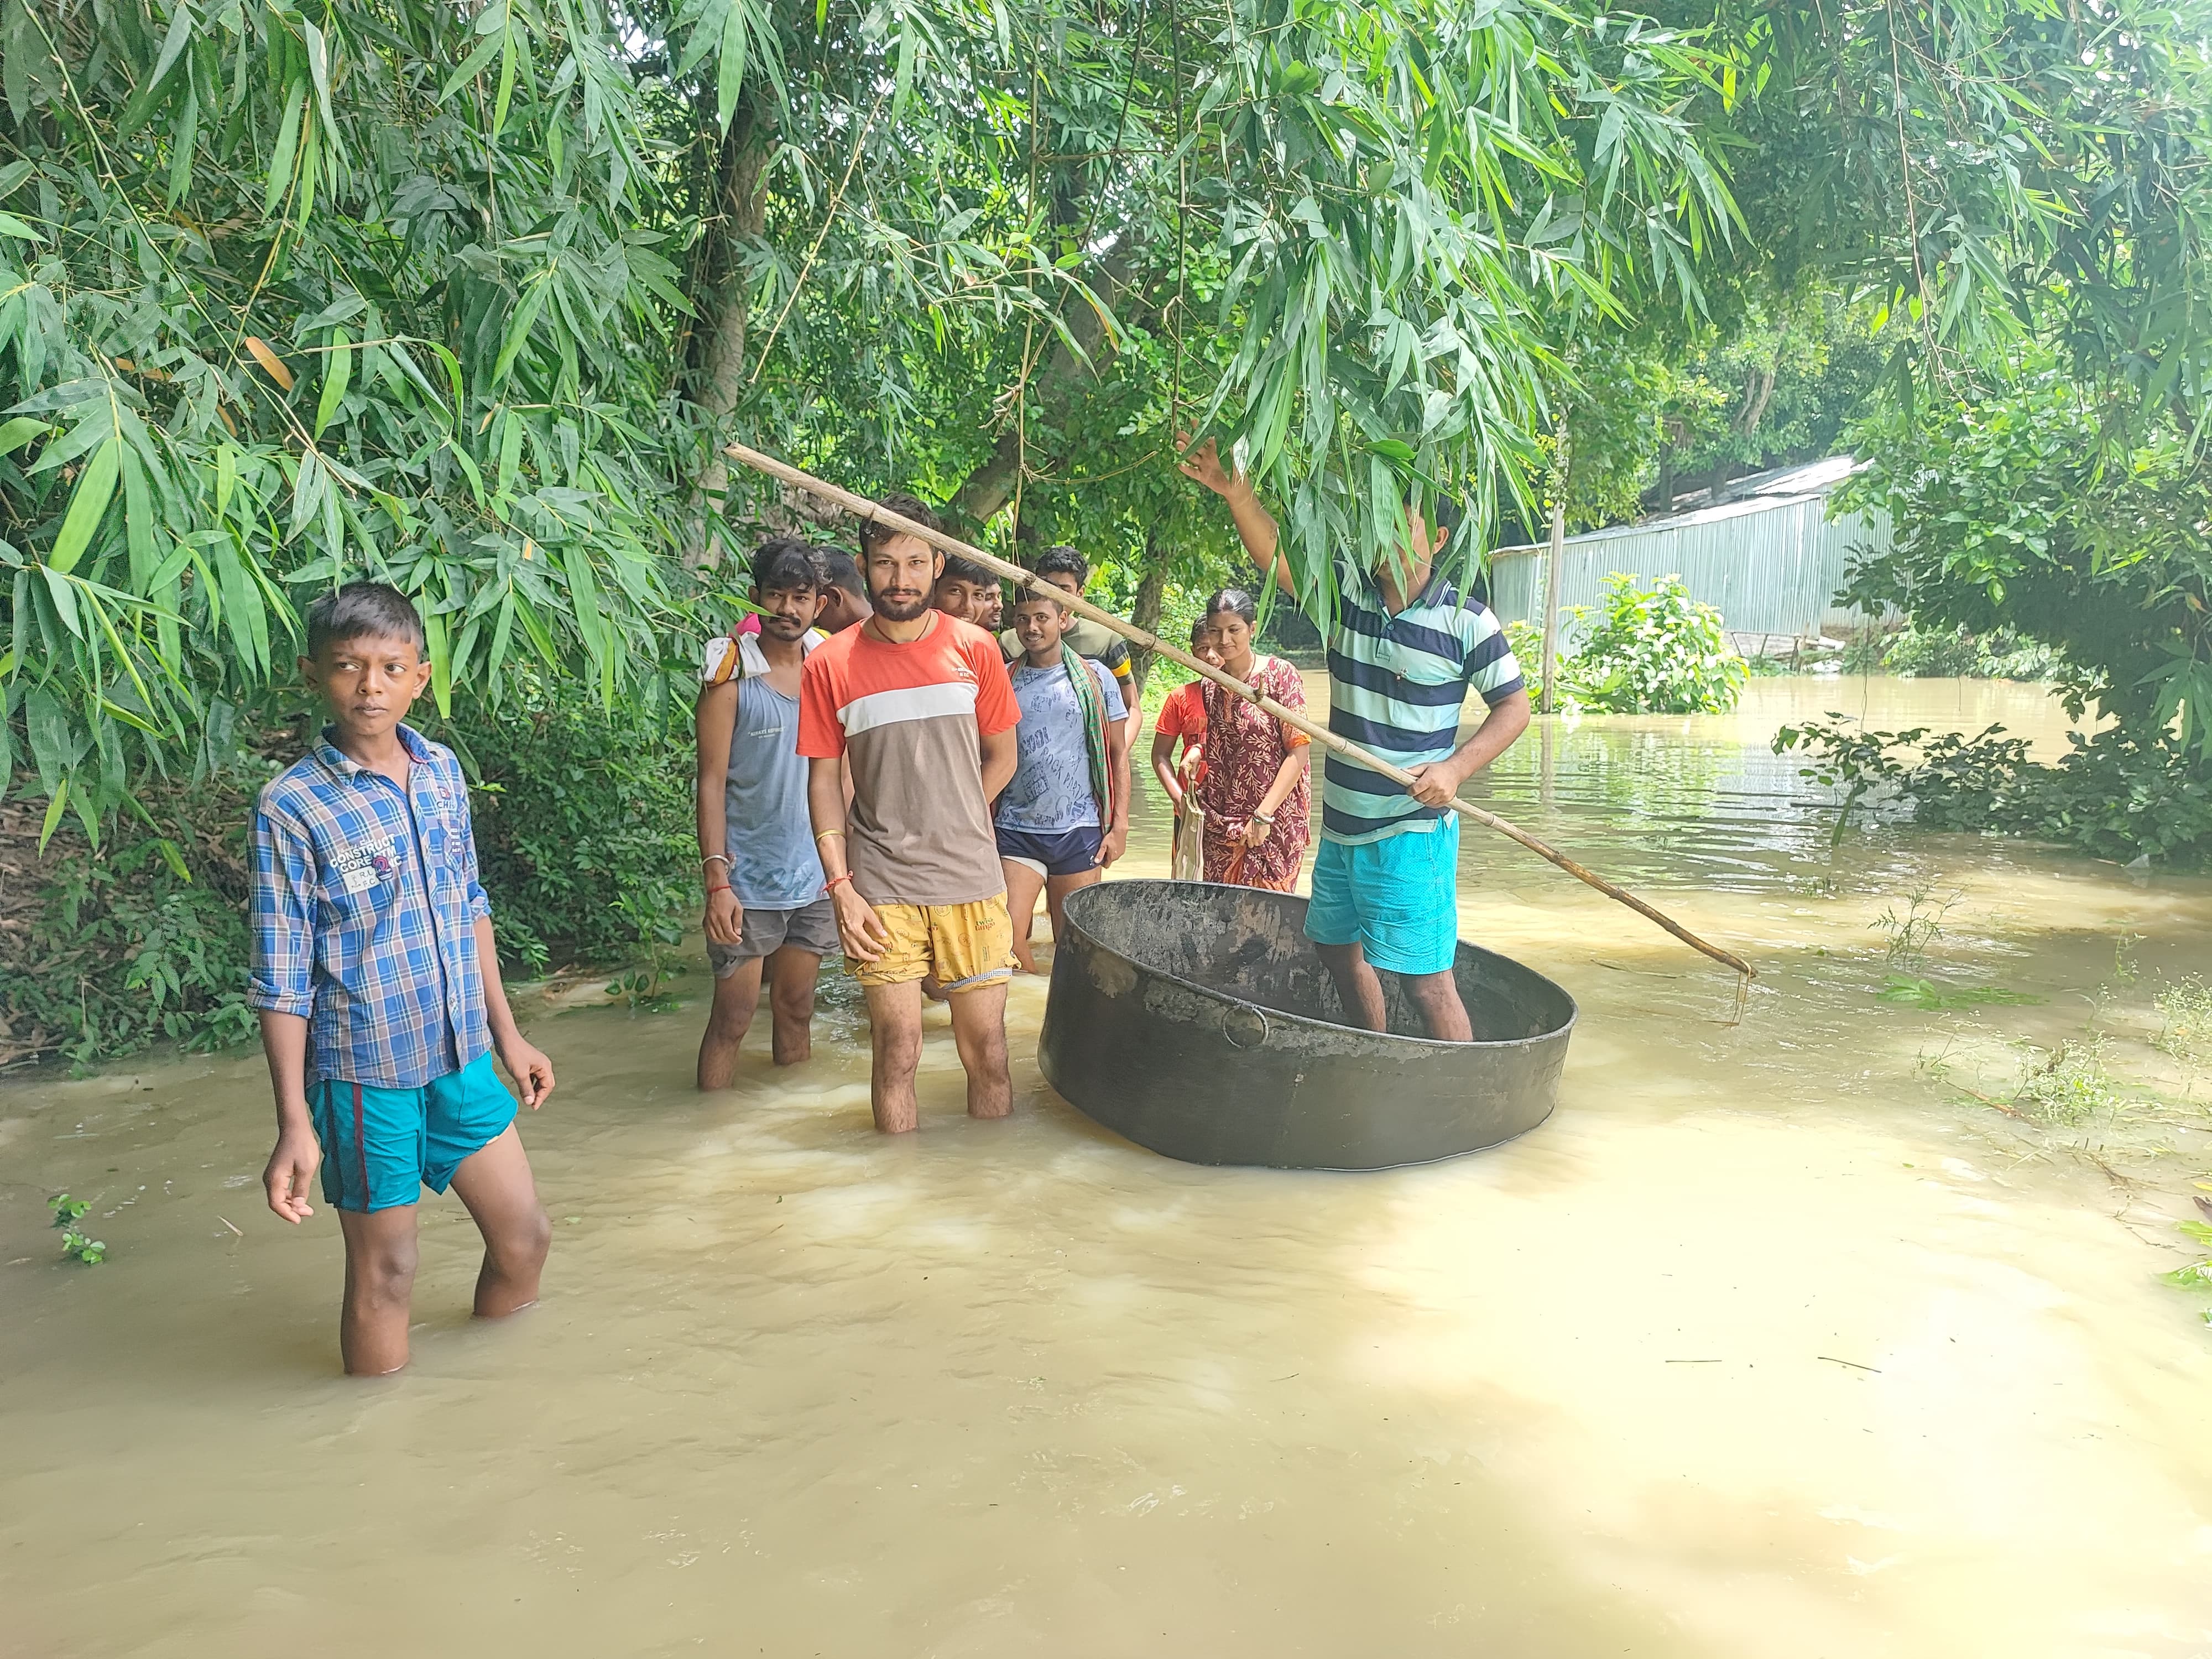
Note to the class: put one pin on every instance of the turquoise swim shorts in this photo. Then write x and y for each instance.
(1396, 898)
(382, 1146)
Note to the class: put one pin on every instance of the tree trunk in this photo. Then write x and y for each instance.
(717, 349)
(1061, 379)
(1151, 592)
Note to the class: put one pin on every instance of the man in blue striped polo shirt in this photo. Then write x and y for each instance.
(1403, 651)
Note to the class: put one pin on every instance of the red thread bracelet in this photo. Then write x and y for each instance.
(830, 885)
(724, 887)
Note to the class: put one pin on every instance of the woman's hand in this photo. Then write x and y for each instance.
(726, 917)
(1256, 833)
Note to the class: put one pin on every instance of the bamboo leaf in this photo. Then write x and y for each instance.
(271, 364)
(337, 369)
(94, 486)
(285, 154)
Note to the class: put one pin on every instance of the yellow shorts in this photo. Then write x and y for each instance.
(962, 947)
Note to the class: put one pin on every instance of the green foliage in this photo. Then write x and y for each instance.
(1915, 653)
(75, 1246)
(2184, 1017)
(1650, 651)
(584, 830)
(2013, 510)
(121, 946)
(307, 296)
(2068, 1087)
(2109, 795)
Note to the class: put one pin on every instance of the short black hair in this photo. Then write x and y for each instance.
(785, 562)
(1234, 600)
(874, 534)
(841, 569)
(362, 611)
(1064, 562)
(959, 569)
(1200, 628)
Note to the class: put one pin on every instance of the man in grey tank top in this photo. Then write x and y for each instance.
(765, 906)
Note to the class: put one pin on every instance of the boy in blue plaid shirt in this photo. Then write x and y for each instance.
(379, 989)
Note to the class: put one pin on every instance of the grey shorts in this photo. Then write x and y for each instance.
(811, 928)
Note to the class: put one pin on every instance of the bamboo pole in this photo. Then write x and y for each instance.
(862, 508)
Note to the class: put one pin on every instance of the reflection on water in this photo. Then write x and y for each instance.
(1768, 1343)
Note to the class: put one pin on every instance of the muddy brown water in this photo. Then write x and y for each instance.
(1772, 1341)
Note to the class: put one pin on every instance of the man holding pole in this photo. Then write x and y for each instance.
(1403, 649)
(917, 703)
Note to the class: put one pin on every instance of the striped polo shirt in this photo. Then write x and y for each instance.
(1396, 684)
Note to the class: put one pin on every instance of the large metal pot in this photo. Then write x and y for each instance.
(1196, 1020)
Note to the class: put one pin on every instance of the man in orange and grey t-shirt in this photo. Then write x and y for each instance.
(919, 704)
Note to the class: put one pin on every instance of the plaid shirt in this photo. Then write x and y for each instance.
(365, 901)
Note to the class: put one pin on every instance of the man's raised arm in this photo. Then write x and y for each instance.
(1255, 525)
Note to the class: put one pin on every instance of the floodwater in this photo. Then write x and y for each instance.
(1775, 1341)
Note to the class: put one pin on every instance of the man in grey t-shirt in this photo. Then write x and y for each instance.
(766, 910)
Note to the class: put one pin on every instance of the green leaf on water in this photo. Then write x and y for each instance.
(1909, 991)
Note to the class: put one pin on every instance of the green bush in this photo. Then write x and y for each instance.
(141, 939)
(1653, 651)
(584, 834)
(1915, 653)
(584, 831)
(2112, 795)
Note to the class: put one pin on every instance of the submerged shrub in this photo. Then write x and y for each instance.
(1650, 651)
(2111, 795)
(1953, 653)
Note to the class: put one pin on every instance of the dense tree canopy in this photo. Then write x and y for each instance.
(465, 295)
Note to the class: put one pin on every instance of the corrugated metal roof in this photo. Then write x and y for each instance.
(1768, 557)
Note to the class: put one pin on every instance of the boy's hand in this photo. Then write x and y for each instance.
(1116, 842)
(860, 928)
(527, 1064)
(292, 1166)
(726, 917)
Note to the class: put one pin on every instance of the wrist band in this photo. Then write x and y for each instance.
(1267, 818)
(824, 835)
(722, 887)
(830, 885)
(722, 859)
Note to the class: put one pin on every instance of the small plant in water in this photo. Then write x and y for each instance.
(1918, 928)
(2185, 1019)
(76, 1247)
(2069, 1087)
(2198, 1276)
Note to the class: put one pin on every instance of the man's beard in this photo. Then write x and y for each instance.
(899, 610)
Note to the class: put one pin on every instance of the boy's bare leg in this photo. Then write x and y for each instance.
(736, 997)
(1056, 890)
(895, 1035)
(1356, 986)
(380, 1286)
(1444, 1015)
(979, 1030)
(1021, 886)
(791, 974)
(494, 1181)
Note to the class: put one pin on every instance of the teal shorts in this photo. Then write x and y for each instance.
(382, 1146)
(1396, 898)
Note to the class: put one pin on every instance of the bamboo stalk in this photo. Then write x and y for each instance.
(862, 508)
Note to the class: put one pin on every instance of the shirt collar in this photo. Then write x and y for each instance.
(345, 766)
